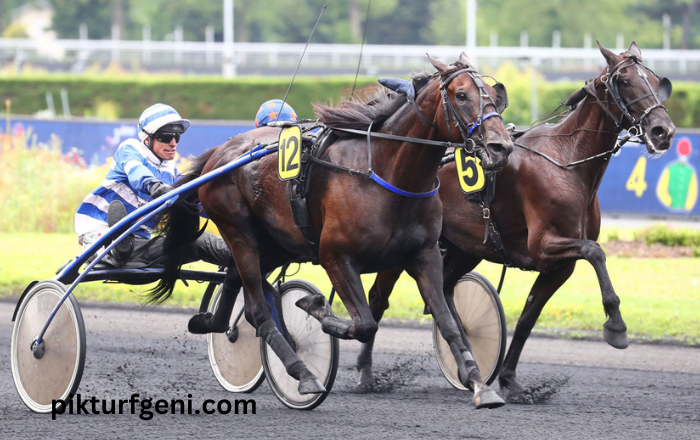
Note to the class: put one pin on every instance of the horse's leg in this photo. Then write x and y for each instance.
(456, 263)
(345, 277)
(426, 270)
(557, 250)
(218, 322)
(614, 329)
(378, 303)
(257, 310)
(543, 289)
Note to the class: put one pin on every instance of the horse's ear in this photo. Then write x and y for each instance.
(501, 97)
(634, 51)
(665, 88)
(609, 55)
(464, 59)
(439, 65)
(419, 82)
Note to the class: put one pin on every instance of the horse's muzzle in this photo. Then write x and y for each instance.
(660, 137)
(497, 155)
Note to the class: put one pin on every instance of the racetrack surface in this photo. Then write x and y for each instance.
(584, 389)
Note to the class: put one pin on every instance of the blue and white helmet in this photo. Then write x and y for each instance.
(157, 116)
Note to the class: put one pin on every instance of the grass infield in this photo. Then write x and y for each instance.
(660, 298)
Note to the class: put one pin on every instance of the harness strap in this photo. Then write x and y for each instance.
(503, 277)
(591, 90)
(350, 171)
(401, 192)
(398, 138)
(373, 176)
(422, 116)
(614, 150)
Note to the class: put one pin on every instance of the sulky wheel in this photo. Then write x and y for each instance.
(237, 365)
(479, 307)
(318, 350)
(56, 374)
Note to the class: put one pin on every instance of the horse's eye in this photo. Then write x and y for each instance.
(461, 96)
(625, 82)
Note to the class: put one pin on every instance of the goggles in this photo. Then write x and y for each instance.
(166, 138)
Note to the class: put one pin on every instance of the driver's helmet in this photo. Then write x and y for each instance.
(270, 112)
(158, 116)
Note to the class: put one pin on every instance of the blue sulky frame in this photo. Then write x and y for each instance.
(70, 274)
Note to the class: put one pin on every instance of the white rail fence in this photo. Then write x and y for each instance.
(211, 57)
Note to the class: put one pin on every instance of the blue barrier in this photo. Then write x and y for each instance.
(665, 185)
(635, 182)
(94, 143)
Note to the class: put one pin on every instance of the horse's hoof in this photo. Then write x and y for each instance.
(202, 324)
(334, 326)
(198, 324)
(232, 334)
(315, 305)
(488, 399)
(366, 382)
(311, 385)
(616, 339)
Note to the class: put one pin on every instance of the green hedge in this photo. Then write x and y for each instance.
(193, 97)
(199, 97)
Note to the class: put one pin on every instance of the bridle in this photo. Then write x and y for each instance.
(610, 80)
(466, 130)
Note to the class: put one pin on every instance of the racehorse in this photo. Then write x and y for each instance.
(361, 226)
(546, 207)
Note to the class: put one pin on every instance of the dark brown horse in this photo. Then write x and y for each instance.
(362, 226)
(548, 214)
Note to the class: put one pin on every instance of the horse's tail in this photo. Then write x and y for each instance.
(180, 227)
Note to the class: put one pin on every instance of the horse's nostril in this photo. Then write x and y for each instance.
(497, 148)
(658, 132)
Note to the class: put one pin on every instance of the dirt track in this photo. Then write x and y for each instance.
(586, 390)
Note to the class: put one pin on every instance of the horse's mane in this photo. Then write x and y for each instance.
(374, 108)
(377, 106)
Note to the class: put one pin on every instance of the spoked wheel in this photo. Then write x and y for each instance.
(55, 375)
(237, 365)
(318, 350)
(484, 321)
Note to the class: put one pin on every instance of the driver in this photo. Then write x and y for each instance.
(142, 169)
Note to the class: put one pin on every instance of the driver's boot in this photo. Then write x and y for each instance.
(123, 249)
